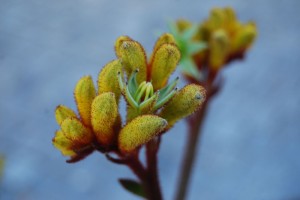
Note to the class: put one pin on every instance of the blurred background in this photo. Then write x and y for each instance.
(251, 140)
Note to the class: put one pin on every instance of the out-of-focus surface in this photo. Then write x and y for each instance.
(251, 140)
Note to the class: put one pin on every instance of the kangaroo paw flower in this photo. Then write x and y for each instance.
(208, 46)
(153, 103)
(184, 103)
(104, 116)
(108, 80)
(140, 131)
(63, 112)
(84, 94)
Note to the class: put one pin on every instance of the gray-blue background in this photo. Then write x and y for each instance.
(251, 141)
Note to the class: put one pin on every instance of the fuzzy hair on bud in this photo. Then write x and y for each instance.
(75, 131)
(139, 131)
(132, 56)
(165, 38)
(63, 144)
(219, 49)
(108, 80)
(184, 103)
(63, 112)
(84, 94)
(104, 116)
(164, 63)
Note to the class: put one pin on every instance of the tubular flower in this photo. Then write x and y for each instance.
(152, 102)
(226, 39)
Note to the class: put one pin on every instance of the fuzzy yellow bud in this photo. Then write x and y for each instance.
(119, 42)
(184, 103)
(139, 131)
(104, 116)
(164, 63)
(63, 144)
(133, 56)
(75, 131)
(165, 38)
(219, 49)
(244, 37)
(108, 80)
(63, 112)
(84, 94)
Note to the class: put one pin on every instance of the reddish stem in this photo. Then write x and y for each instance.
(148, 176)
(152, 176)
(195, 123)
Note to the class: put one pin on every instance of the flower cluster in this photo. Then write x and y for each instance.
(153, 104)
(223, 39)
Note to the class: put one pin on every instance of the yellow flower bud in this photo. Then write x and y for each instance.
(133, 56)
(63, 144)
(244, 37)
(104, 116)
(183, 25)
(219, 49)
(140, 131)
(108, 80)
(63, 112)
(119, 42)
(164, 63)
(165, 38)
(75, 131)
(184, 103)
(84, 94)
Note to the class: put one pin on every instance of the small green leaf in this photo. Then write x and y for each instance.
(167, 89)
(188, 67)
(196, 47)
(164, 100)
(173, 29)
(189, 33)
(133, 187)
(132, 83)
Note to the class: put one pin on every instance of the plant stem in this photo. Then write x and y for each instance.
(195, 123)
(149, 175)
(151, 156)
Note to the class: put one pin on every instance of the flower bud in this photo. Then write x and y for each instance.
(140, 131)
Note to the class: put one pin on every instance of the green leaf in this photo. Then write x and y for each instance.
(133, 187)
(173, 29)
(167, 89)
(132, 83)
(189, 33)
(196, 47)
(188, 67)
